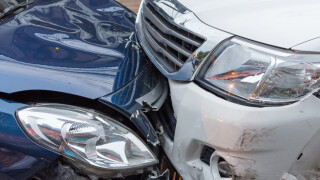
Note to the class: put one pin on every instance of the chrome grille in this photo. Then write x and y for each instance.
(170, 44)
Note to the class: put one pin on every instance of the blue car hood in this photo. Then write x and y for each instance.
(80, 47)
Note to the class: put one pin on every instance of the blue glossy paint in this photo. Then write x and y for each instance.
(81, 47)
(20, 157)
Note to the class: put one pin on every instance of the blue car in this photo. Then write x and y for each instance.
(78, 98)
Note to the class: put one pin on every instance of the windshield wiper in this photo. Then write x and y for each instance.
(9, 10)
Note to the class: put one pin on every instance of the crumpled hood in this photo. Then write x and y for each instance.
(284, 23)
(79, 47)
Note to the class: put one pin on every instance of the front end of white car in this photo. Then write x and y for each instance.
(243, 109)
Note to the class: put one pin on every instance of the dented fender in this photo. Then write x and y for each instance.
(146, 92)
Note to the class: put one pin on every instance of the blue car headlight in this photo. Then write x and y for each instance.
(85, 136)
(260, 74)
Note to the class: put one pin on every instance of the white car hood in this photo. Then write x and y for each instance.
(282, 23)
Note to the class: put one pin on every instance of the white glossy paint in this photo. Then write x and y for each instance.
(309, 46)
(260, 143)
(284, 23)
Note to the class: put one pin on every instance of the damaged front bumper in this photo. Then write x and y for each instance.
(217, 139)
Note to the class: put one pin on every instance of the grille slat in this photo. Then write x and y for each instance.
(170, 44)
(165, 26)
(160, 38)
(158, 48)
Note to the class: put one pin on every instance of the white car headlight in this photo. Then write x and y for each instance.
(85, 136)
(262, 74)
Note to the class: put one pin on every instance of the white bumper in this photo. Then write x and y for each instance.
(259, 143)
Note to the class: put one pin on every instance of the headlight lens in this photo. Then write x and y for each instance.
(85, 136)
(261, 74)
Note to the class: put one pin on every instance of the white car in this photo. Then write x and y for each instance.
(244, 81)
